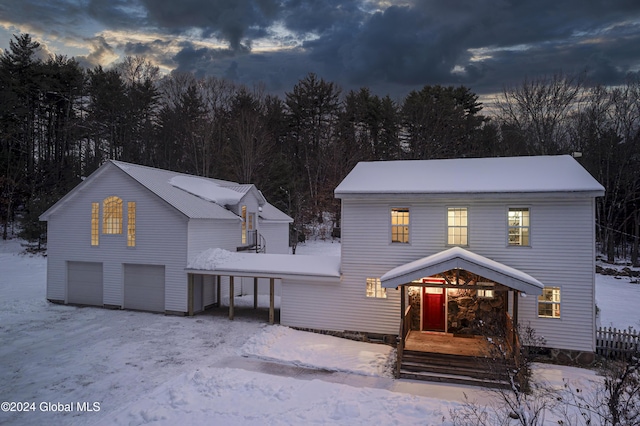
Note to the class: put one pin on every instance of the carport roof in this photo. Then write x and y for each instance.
(308, 268)
(459, 258)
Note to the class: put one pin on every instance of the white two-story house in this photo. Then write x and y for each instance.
(462, 247)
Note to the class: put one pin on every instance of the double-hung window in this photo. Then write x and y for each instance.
(375, 289)
(457, 226)
(400, 225)
(519, 226)
(549, 303)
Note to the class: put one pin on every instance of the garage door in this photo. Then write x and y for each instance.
(84, 283)
(144, 287)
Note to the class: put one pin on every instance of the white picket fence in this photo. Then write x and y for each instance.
(617, 344)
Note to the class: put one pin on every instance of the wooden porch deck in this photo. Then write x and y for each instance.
(444, 357)
(446, 343)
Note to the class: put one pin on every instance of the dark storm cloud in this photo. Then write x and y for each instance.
(231, 20)
(421, 44)
(41, 15)
(117, 14)
(358, 43)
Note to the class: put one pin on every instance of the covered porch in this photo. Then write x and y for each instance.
(458, 314)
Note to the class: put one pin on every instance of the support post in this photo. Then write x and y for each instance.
(271, 300)
(231, 291)
(255, 293)
(516, 296)
(402, 332)
(190, 294)
(218, 279)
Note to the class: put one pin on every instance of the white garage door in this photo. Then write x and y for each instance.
(144, 287)
(84, 283)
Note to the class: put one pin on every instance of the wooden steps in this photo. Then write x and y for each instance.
(448, 368)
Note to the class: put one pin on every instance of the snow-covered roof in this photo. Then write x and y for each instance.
(223, 262)
(158, 181)
(272, 214)
(206, 189)
(457, 257)
(539, 174)
(195, 197)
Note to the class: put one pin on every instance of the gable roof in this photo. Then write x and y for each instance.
(195, 197)
(273, 214)
(539, 174)
(457, 257)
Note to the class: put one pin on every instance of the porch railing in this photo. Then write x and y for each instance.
(405, 328)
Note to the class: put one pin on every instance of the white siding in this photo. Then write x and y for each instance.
(161, 239)
(561, 255)
(207, 233)
(276, 234)
(208, 290)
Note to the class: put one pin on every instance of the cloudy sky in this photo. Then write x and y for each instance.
(389, 46)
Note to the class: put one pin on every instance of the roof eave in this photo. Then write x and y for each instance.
(528, 286)
(361, 195)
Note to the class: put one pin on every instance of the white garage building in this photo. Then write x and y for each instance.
(123, 237)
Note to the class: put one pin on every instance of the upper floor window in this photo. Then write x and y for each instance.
(131, 224)
(457, 226)
(399, 225)
(112, 215)
(518, 222)
(549, 303)
(95, 223)
(244, 224)
(375, 289)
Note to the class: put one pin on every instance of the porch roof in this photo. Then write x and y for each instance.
(459, 258)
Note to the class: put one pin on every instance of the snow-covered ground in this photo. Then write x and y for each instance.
(618, 299)
(139, 368)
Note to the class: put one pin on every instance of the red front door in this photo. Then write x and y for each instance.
(433, 309)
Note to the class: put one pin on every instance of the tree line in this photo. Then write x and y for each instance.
(60, 122)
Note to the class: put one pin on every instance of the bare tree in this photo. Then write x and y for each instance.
(538, 113)
(614, 401)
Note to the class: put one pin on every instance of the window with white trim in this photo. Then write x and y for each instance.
(112, 215)
(400, 225)
(457, 226)
(131, 224)
(244, 224)
(518, 222)
(95, 223)
(375, 289)
(549, 303)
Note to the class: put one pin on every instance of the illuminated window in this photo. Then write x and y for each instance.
(244, 224)
(374, 289)
(95, 223)
(485, 294)
(457, 230)
(112, 215)
(549, 303)
(131, 224)
(400, 225)
(518, 220)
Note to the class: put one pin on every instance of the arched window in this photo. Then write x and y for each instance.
(112, 215)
